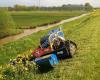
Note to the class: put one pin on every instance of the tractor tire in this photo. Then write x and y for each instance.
(71, 48)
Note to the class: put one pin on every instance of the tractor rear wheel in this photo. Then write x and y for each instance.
(71, 48)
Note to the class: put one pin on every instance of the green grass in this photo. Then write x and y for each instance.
(14, 22)
(32, 19)
(14, 48)
(84, 66)
(7, 25)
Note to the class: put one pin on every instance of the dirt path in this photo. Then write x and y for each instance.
(30, 31)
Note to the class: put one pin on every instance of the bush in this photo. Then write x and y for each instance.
(7, 25)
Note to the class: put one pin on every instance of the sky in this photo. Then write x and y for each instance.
(3, 3)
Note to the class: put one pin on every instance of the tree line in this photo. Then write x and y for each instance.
(69, 7)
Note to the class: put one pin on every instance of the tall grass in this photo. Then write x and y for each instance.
(7, 25)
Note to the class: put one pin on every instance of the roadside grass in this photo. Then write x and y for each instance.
(33, 19)
(84, 66)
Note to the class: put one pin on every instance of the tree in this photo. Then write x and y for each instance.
(88, 7)
(6, 22)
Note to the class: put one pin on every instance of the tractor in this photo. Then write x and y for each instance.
(53, 48)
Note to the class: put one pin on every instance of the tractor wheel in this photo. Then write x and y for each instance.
(71, 47)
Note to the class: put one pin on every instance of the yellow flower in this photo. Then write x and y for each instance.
(0, 67)
(31, 50)
(26, 68)
(1, 77)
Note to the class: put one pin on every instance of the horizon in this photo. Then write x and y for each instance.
(47, 3)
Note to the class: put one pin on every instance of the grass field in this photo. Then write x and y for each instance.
(32, 19)
(84, 66)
